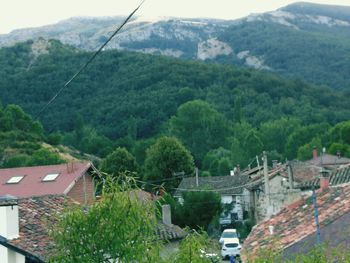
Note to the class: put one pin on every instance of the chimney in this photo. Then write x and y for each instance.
(324, 179)
(9, 220)
(314, 153)
(166, 213)
(274, 163)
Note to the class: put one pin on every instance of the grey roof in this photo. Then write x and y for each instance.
(170, 232)
(329, 160)
(229, 185)
(338, 177)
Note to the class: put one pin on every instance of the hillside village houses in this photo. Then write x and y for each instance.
(30, 197)
(246, 190)
(293, 229)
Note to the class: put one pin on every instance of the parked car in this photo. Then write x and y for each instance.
(229, 236)
(230, 249)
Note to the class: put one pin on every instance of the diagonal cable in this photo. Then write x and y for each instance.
(88, 62)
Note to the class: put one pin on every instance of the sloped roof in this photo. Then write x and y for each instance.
(38, 214)
(35, 216)
(329, 160)
(223, 184)
(170, 232)
(32, 183)
(296, 222)
(338, 177)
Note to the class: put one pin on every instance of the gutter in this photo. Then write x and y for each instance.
(5, 243)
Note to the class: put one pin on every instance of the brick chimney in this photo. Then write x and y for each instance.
(166, 213)
(9, 220)
(324, 179)
(314, 153)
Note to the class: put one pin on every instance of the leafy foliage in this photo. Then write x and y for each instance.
(119, 161)
(166, 158)
(119, 227)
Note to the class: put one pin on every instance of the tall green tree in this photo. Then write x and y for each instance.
(200, 127)
(199, 209)
(119, 161)
(166, 158)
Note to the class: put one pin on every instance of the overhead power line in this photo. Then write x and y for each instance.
(88, 62)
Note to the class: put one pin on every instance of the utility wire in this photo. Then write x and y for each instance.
(88, 62)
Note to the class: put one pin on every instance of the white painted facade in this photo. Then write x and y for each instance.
(9, 256)
(9, 229)
(9, 223)
(227, 218)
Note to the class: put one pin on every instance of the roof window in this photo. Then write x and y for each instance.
(50, 177)
(14, 180)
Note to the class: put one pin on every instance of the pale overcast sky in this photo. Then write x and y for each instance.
(31, 13)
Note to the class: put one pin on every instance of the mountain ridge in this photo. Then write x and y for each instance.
(297, 41)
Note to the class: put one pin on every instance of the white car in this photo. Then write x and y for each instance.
(230, 249)
(229, 236)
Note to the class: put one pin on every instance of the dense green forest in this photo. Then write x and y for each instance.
(316, 53)
(223, 115)
(21, 140)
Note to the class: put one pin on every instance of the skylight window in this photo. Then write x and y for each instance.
(15, 180)
(50, 177)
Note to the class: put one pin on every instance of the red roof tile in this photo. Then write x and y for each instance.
(32, 184)
(35, 216)
(296, 221)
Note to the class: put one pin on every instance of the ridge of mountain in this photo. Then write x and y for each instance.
(301, 40)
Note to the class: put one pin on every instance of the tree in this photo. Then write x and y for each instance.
(238, 116)
(44, 157)
(166, 158)
(200, 127)
(193, 249)
(118, 228)
(118, 162)
(305, 151)
(200, 208)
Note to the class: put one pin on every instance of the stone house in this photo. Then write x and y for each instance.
(292, 231)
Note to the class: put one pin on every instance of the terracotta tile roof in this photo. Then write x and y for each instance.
(295, 222)
(32, 183)
(35, 216)
(228, 184)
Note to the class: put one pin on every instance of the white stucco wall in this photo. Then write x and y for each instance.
(10, 256)
(9, 224)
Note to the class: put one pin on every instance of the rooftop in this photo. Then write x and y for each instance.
(224, 184)
(296, 222)
(41, 180)
(329, 160)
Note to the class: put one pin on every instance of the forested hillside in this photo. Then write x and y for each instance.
(130, 99)
(302, 40)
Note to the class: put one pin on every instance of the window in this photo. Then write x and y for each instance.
(15, 180)
(50, 177)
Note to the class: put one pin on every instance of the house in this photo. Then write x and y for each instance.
(231, 189)
(327, 161)
(292, 231)
(281, 191)
(72, 179)
(337, 177)
(24, 226)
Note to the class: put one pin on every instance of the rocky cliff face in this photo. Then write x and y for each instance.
(300, 40)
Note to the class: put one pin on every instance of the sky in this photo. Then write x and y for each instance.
(16, 14)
